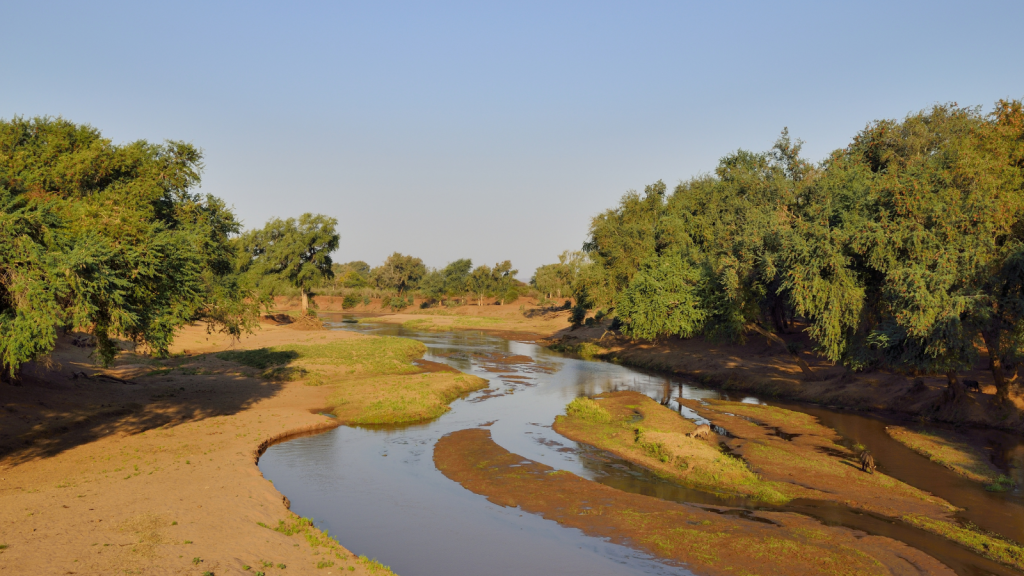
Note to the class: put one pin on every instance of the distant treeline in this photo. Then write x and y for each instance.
(401, 278)
(903, 250)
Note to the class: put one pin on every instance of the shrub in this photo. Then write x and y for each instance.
(396, 303)
(586, 409)
(350, 301)
(511, 296)
(577, 315)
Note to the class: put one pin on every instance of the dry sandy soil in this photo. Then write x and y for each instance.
(157, 476)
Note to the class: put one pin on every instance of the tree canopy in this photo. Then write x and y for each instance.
(399, 272)
(903, 250)
(297, 251)
(109, 237)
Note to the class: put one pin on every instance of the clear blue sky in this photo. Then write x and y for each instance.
(487, 130)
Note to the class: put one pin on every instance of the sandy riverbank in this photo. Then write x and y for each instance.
(154, 472)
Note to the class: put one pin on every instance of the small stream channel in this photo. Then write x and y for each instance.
(377, 491)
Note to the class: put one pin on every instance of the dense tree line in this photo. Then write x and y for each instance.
(903, 250)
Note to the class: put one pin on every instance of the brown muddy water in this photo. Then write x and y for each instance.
(377, 490)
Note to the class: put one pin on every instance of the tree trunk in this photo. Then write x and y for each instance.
(305, 301)
(991, 339)
(955, 389)
(804, 367)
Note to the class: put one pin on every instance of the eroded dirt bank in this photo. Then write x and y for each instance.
(152, 469)
(708, 540)
(764, 368)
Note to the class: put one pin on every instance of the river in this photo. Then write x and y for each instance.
(377, 490)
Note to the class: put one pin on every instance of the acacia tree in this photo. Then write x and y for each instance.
(727, 227)
(731, 227)
(296, 251)
(108, 237)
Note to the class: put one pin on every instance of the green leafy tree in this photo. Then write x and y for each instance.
(732, 227)
(547, 281)
(623, 237)
(661, 299)
(296, 251)
(480, 282)
(919, 217)
(399, 272)
(354, 274)
(503, 279)
(431, 286)
(108, 237)
(456, 275)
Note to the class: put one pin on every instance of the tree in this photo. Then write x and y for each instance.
(111, 238)
(480, 281)
(731, 227)
(662, 298)
(297, 251)
(399, 273)
(354, 274)
(547, 280)
(432, 285)
(906, 242)
(456, 276)
(503, 279)
(622, 238)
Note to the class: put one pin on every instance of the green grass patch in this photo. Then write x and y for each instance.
(953, 452)
(451, 323)
(586, 409)
(1001, 484)
(369, 354)
(401, 399)
(610, 423)
(322, 543)
(585, 350)
(998, 549)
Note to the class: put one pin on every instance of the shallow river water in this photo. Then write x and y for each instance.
(378, 492)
